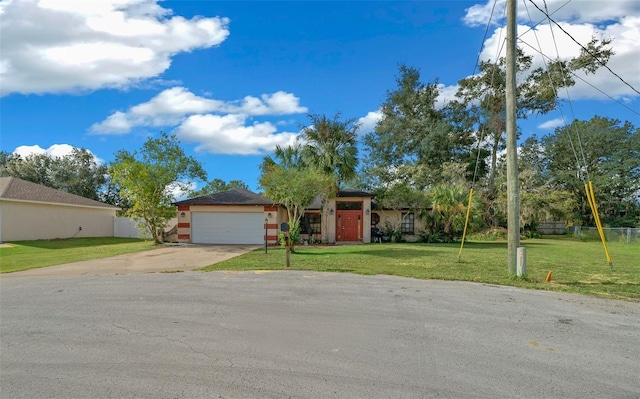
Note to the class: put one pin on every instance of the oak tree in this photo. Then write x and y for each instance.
(148, 176)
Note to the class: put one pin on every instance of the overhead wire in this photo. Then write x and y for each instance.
(581, 171)
(588, 185)
(564, 78)
(575, 75)
(475, 171)
(539, 50)
(583, 47)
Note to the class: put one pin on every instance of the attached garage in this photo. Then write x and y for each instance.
(227, 228)
(231, 217)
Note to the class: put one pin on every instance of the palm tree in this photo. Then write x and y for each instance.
(331, 145)
(287, 179)
(449, 208)
(289, 157)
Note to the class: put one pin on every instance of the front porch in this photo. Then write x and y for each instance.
(344, 219)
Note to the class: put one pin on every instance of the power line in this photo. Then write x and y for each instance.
(564, 78)
(542, 20)
(583, 47)
(575, 75)
(484, 38)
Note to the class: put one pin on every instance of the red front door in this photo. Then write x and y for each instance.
(349, 226)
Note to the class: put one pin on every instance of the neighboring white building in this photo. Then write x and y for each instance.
(30, 211)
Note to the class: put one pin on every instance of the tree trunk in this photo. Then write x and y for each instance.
(155, 233)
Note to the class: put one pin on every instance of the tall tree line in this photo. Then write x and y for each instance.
(429, 149)
(76, 173)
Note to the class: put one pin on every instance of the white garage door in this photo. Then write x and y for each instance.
(227, 228)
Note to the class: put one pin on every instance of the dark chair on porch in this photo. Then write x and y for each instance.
(376, 234)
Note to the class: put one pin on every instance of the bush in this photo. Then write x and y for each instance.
(393, 232)
(492, 234)
(530, 230)
(428, 236)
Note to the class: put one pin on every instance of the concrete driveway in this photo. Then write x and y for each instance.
(181, 257)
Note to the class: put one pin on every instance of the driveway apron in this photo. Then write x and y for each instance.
(181, 257)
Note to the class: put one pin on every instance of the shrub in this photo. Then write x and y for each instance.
(492, 234)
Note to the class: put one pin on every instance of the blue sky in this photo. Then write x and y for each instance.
(234, 79)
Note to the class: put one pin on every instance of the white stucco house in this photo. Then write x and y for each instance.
(30, 211)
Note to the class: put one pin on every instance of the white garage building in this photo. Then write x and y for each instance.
(30, 211)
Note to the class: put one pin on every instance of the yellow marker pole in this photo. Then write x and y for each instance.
(596, 215)
(466, 223)
(549, 276)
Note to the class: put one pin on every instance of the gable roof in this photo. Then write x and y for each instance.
(347, 192)
(241, 196)
(238, 196)
(14, 189)
(352, 192)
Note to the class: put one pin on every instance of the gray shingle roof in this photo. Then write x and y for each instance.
(351, 192)
(239, 196)
(242, 196)
(348, 192)
(12, 188)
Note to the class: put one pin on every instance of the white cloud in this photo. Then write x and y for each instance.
(583, 20)
(278, 103)
(54, 46)
(181, 191)
(116, 123)
(577, 11)
(175, 101)
(196, 120)
(172, 106)
(369, 121)
(229, 134)
(552, 124)
(447, 94)
(481, 14)
(54, 151)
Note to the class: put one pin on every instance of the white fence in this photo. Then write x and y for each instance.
(612, 234)
(552, 227)
(126, 227)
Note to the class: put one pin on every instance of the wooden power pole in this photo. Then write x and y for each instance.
(513, 191)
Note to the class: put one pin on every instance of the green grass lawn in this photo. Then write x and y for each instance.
(579, 267)
(23, 255)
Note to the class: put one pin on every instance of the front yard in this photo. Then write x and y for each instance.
(24, 255)
(578, 267)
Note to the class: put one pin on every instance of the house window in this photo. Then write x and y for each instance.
(375, 219)
(314, 223)
(408, 222)
(349, 206)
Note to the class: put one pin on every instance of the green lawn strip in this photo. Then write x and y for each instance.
(578, 267)
(24, 255)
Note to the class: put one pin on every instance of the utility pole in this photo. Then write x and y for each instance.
(513, 191)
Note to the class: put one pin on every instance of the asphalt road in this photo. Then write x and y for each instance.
(309, 335)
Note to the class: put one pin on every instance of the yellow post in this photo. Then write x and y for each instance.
(596, 216)
(466, 223)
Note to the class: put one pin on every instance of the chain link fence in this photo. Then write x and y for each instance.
(612, 234)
